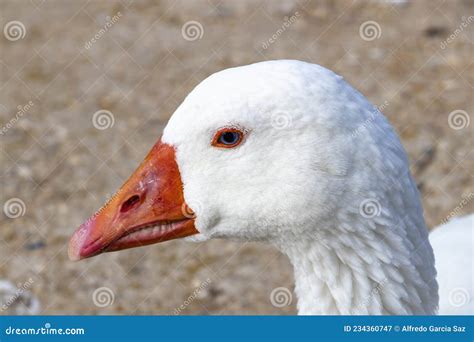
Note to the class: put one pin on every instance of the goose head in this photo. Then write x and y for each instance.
(288, 153)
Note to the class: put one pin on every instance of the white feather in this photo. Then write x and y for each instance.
(453, 244)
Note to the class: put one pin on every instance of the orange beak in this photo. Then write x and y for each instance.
(148, 208)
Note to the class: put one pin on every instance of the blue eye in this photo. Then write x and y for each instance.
(227, 138)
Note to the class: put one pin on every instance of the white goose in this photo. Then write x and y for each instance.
(288, 153)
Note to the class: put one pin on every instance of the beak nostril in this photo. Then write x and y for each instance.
(130, 203)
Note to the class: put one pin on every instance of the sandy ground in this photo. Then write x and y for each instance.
(54, 78)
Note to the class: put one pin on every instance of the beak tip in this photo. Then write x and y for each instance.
(77, 242)
(73, 250)
(73, 257)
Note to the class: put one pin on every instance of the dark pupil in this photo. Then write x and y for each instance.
(229, 138)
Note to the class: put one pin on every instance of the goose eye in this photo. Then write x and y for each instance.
(228, 138)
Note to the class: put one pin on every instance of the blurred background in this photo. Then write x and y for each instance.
(87, 87)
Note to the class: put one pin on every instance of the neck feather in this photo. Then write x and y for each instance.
(365, 265)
